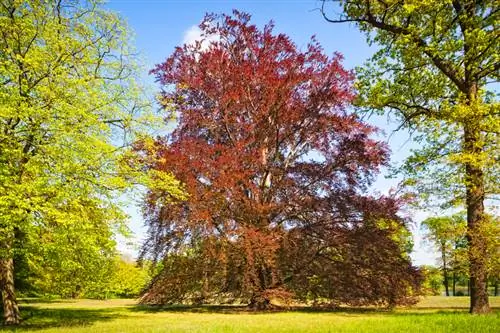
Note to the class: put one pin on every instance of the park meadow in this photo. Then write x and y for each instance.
(434, 314)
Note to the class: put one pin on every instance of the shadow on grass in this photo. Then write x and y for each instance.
(236, 309)
(242, 309)
(35, 300)
(35, 318)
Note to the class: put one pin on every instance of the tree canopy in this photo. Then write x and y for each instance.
(276, 172)
(68, 95)
(435, 69)
(448, 234)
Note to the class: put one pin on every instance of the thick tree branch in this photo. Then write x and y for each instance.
(368, 17)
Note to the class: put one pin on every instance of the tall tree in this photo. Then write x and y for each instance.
(494, 253)
(67, 93)
(435, 62)
(447, 233)
(273, 164)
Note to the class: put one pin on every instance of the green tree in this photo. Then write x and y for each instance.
(432, 280)
(448, 234)
(433, 70)
(128, 279)
(68, 102)
(494, 252)
(71, 260)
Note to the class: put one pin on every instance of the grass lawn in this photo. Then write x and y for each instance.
(432, 314)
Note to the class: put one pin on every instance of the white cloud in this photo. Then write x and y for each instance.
(193, 34)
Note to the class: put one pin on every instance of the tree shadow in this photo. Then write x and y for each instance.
(205, 308)
(35, 318)
(239, 309)
(35, 300)
(348, 311)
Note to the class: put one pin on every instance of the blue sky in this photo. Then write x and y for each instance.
(160, 25)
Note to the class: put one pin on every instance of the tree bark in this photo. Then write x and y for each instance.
(205, 286)
(474, 182)
(445, 269)
(454, 284)
(11, 314)
(259, 302)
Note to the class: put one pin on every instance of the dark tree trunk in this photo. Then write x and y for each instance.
(260, 299)
(475, 218)
(445, 269)
(445, 282)
(496, 287)
(205, 286)
(454, 268)
(11, 314)
(259, 302)
(454, 284)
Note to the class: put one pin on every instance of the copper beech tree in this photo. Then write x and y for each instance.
(275, 168)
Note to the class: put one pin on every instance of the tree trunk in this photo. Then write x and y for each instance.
(496, 287)
(259, 302)
(11, 313)
(205, 286)
(445, 269)
(474, 182)
(454, 284)
(445, 282)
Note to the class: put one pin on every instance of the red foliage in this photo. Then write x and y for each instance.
(268, 154)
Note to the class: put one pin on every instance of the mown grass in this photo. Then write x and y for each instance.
(432, 314)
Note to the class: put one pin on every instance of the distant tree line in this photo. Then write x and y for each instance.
(448, 235)
(115, 277)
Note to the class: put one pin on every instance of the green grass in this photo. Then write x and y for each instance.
(433, 314)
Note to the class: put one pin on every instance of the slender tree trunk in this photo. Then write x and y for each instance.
(475, 218)
(445, 269)
(454, 284)
(496, 287)
(205, 286)
(454, 268)
(11, 314)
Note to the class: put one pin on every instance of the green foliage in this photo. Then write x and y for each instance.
(448, 234)
(433, 282)
(70, 106)
(434, 69)
(492, 232)
(127, 278)
(432, 72)
(99, 276)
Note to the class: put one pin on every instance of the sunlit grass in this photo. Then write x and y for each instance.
(432, 314)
